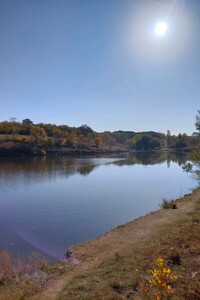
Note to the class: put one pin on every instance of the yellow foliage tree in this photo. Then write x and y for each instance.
(37, 135)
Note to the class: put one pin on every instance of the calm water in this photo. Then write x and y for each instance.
(46, 205)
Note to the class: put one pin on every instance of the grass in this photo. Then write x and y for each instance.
(119, 278)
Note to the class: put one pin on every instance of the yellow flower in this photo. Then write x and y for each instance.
(150, 281)
(169, 287)
(160, 261)
(167, 271)
(159, 280)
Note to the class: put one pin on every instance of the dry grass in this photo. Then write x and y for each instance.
(21, 280)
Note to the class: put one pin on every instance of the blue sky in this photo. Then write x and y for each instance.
(99, 62)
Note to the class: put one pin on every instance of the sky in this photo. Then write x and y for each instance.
(100, 63)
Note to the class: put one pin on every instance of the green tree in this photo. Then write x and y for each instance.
(197, 123)
(37, 135)
(84, 130)
(147, 143)
(182, 141)
(194, 166)
(168, 138)
(27, 122)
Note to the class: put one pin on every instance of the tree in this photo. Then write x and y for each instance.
(182, 141)
(37, 134)
(168, 138)
(98, 141)
(13, 119)
(84, 130)
(194, 167)
(147, 143)
(197, 123)
(59, 137)
(27, 122)
(14, 126)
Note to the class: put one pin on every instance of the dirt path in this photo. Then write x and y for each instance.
(92, 253)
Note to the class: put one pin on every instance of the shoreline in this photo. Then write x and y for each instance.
(21, 150)
(88, 259)
(27, 151)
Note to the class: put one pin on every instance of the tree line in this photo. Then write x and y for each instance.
(52, 135)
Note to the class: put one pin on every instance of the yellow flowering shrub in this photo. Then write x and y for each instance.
(159, 284)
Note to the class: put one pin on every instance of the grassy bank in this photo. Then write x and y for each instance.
(116, 265)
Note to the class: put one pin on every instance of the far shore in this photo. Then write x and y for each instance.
(24, 150)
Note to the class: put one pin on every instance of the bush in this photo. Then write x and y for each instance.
(166, 204)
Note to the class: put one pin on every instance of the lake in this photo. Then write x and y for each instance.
(49, 204)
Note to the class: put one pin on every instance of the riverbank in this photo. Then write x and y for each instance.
(14, 149)
(115, 265)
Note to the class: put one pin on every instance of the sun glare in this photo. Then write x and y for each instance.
(161, 28)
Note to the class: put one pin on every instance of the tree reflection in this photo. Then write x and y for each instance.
(37, 170)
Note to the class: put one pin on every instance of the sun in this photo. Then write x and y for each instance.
(161, 28)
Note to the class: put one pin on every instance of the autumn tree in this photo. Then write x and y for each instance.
(71, 139)
(98, 141)
(37, 135)
(59, 137)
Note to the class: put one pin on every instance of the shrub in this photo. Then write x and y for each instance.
(159, 285)
(166, 204)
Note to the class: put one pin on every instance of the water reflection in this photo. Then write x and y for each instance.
(153, 158)
(49, 204)
(37, 170)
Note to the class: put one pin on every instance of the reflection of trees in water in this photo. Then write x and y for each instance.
(151, 158)
(85, 170)
(179, 158)
(36, 170)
